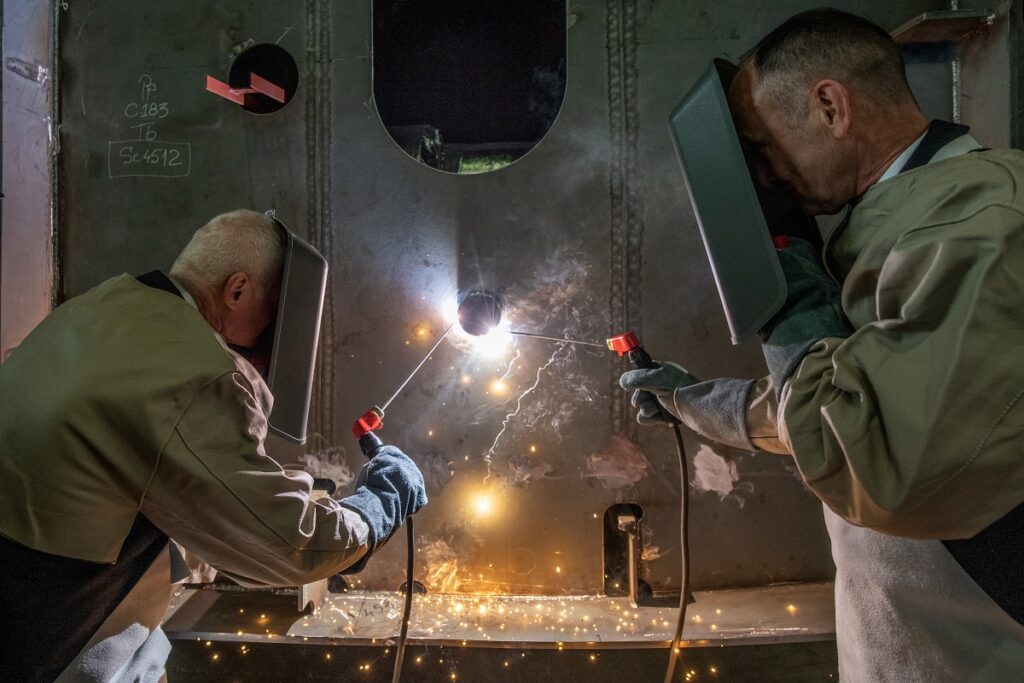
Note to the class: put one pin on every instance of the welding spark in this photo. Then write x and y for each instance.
(482, 504)
(519, 405)
(499, 386)
(511, 366)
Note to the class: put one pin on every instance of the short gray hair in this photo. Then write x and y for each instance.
(828, 43)
(238, 241)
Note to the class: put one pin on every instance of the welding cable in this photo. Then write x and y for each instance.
(403, 634)
(684, 540)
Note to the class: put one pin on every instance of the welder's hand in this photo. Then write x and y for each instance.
(812, 311)
(716, 409)
(389, 488)
(654, 389)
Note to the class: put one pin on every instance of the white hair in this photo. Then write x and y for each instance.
(238, 241)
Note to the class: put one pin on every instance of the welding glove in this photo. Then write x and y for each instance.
(812, 311)
(388, 489)
(715, 409)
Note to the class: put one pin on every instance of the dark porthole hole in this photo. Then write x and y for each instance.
(271, 62)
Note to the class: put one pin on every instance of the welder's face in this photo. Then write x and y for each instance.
(800, 156)
(249, 308)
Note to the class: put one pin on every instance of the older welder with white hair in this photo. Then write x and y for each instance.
(127, 418)
(897, 362)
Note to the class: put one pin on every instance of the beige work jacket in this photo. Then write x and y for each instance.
(124, 400)
(914, 425)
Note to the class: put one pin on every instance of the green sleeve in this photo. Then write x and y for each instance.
(914, 425)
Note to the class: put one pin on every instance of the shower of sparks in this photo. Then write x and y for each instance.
(519, 405)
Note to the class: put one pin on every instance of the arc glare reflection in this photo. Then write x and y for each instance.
(479, 313)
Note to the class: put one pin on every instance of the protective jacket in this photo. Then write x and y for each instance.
(913, 424)
(125, 419)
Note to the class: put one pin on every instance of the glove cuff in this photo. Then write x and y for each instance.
(371, 509)
(791, 339)
(717, 410)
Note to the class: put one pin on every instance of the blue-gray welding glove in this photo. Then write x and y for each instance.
(812, 311)
(388, 489)
(715, 409)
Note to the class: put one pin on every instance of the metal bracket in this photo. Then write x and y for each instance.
(630, 524)
(943, 26)
(257, 84)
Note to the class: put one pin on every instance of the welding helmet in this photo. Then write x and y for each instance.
(296, 331)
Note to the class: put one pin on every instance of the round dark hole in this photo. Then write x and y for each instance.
(336, 583)
(272, 63)
(479, 313)
(417, 588)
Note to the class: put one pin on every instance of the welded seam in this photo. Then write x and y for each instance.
(326, 224)
(633, 207)
(616, 300)
(318, 213)
(627, 225)
(57, 284)
(312, 229)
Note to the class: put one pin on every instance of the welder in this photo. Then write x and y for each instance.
(127, 419)
(896, 380)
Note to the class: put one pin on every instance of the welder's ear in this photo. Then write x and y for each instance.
(830, 105)
(234, 289)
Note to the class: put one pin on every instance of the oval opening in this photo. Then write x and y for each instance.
(468, 87)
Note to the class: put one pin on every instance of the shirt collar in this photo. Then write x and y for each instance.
(901, 161)
(184, 293)
(962, 145)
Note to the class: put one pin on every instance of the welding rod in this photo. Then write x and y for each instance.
(413, 373)
(557, 339)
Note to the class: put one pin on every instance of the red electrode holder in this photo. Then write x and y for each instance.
(628, 344)
(372, 420)
(623, 343)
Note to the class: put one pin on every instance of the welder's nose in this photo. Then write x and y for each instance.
(479, 313)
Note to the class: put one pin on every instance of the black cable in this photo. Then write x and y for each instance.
(684, 540)
(403, 634)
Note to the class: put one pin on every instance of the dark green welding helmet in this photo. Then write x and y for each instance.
(296, 331)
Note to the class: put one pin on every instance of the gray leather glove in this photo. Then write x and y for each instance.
(812, 311)
(715, 409)
(654, 388)
(388, 489)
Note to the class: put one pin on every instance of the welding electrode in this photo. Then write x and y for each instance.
(480, 312)
(373, 419)
(369, 443)
(628, 344)
(557, 339)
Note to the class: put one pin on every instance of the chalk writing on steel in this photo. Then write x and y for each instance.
(147, 156)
